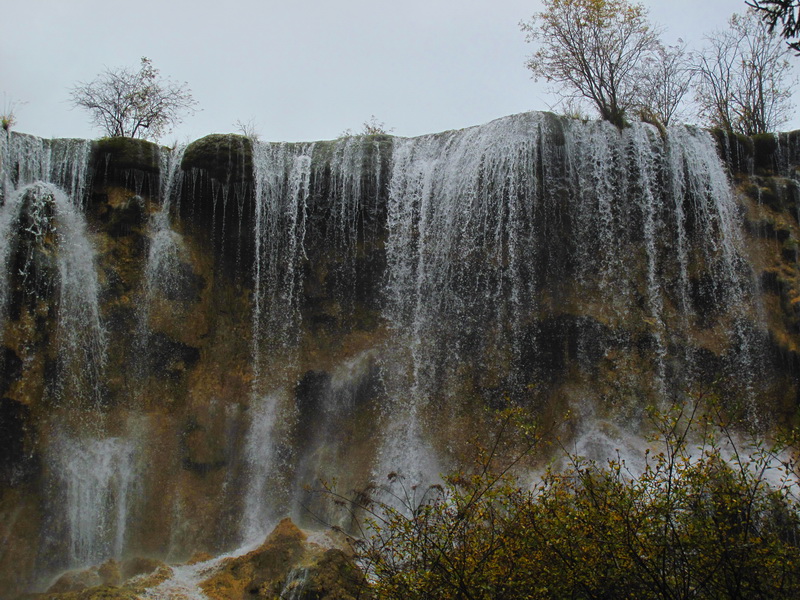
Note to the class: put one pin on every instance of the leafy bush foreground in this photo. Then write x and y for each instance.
(707, 517)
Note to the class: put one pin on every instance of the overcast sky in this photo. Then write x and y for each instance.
(298, 69)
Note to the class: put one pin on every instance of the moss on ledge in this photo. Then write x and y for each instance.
(127, 153)
(763, 153)
(226, 157)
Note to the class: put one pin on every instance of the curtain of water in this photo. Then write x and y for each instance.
(99, 480)
(488, 225)
(282, 187)
(25, 159)
(166, 254)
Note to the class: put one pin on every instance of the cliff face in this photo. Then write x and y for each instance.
(193, 337)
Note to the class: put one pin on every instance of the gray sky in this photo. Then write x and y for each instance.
(299, 69)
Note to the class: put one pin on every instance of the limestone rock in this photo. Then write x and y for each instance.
(287, 565)
(102, 575)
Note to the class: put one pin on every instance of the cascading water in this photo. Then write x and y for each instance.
(399, 287)
(307, 198)
(82, 337)
(25, 159)
(47, 233)
(282, 175)
(295, 585)
(312, 202)
(166, 256)
(99, 479)
(261, 470)
(494, 230)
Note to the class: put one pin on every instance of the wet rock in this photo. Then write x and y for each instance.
(225, 157)
(127, 162)
(93, 593)
(107, 574)
(288, 565)
(120, 153)
(125, 218)
(17, 462)
(245, 576)
(217, 199)
(206, 444)
(169, 358)
(333, 577)
(10, 368)
(560, 341)
(183, 285)
(111, 580)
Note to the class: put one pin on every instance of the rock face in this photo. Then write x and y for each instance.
(287, 566)
(193, 337)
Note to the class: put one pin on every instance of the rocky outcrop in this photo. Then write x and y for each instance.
(288, 565)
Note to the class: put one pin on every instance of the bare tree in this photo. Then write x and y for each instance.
(667, 78)
(248, 129)
(592, 49)
(787, 12)
(744, 77)
(134, 104)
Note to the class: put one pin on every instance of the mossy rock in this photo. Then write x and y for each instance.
(226, 157)
(764, 147)
(334, 577)
(789, 249)
(735, 149)
(126, 153)
(243, 576)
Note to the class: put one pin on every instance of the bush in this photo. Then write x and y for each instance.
(704, 519)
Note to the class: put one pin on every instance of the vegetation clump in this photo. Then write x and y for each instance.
(705, 517)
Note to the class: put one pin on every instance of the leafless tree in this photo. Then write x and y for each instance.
(667, 78)
(134, 103)
(744, 78)
(248, 129)
(592, 49)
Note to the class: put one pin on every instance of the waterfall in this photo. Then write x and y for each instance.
(166, 255)
(25, 159)
(461, 220)
(98, 480)
(9, 223)
(316, 205)
(494, 231)
(47, 233)
(400, 291)
(82, 338)
(261, 470)
(282, 186)
(43, 189)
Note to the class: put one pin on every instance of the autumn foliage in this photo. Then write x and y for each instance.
(708, 516)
